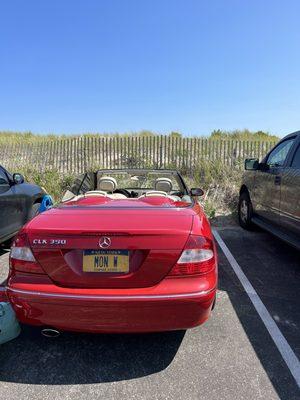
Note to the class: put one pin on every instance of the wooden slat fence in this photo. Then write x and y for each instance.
(76, 155)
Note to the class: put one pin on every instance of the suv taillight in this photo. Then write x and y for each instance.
(198, 257)
(21, 257)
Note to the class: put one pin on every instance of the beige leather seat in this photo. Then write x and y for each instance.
(162, 187)
(109, 184)
(165, 185)
(91, 193)
(153, 193)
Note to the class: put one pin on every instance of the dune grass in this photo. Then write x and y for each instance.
(237, 134)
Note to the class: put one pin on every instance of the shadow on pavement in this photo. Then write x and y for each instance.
(3, 251)
(81, 358)
(260, 246)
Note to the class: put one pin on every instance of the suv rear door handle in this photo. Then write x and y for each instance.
(277, 180)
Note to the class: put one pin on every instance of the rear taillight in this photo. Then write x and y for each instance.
(198, 257)
(22, 254)
(21, 257)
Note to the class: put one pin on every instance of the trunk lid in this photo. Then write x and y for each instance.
(154, 239)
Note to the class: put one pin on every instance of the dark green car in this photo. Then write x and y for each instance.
(270, 193)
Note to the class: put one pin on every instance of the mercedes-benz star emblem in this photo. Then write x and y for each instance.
(104, 242)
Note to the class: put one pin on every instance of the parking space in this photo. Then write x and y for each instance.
(273, 268)
(232, 356)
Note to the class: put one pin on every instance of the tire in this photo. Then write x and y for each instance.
(245, 211)
(34, 211)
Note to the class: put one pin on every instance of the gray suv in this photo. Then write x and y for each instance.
(270, 193)
(19, 202)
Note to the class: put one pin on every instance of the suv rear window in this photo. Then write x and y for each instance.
(296, 159)
(279, 154)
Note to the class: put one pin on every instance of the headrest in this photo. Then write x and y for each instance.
(107, 183)
(163, 184)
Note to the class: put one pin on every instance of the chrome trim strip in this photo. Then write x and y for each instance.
(109, 297)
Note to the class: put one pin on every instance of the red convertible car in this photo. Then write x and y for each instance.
(125, 251)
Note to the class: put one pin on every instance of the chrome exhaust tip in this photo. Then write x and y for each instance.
(50, 333)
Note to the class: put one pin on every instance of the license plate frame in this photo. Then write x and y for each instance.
(106, 261)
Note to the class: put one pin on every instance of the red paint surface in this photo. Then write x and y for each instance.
(62, 296)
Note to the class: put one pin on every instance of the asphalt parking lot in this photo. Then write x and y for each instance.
(232, 356)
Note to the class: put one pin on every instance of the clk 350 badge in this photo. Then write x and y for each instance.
(51, 241)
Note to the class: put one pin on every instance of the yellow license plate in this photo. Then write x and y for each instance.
(105, 261)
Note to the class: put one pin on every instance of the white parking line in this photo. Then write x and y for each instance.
(280, 341)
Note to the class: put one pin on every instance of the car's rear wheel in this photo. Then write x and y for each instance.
(245, 211)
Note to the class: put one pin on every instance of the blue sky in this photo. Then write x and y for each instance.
(125, 65)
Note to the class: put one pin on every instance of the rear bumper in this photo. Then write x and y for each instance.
(142, 310)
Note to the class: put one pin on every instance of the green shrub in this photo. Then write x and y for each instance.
(221, 184)
(52, 181)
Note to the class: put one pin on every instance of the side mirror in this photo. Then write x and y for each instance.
(196, 192)
(251, 164)
(18, 178)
